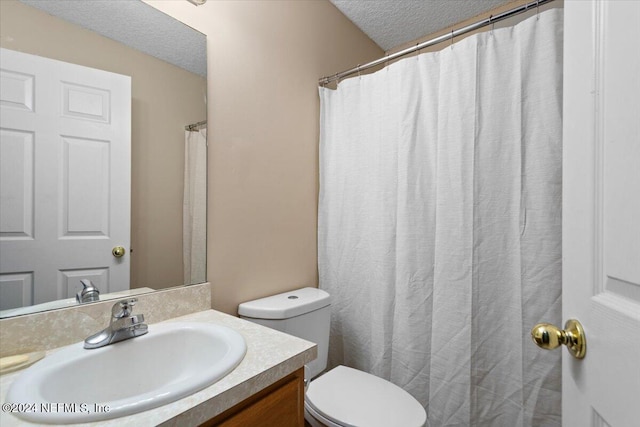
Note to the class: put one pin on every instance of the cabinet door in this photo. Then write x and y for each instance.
(279, 405)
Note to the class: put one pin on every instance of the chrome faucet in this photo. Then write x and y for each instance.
(89, 292)
(123, 326)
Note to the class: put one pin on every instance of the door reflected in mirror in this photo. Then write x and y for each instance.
(67, 181)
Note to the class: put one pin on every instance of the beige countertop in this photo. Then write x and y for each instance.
(271, 355)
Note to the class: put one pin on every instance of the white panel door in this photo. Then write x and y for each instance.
(601, 211)
(65, 151)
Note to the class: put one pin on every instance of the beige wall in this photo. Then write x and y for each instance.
(264, 61)
(157, 129)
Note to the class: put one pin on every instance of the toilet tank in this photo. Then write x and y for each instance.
(304, 313)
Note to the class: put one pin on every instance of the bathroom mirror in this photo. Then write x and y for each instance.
(166, 61)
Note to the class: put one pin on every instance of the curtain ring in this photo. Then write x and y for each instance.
(537, 9)
(359, 71)
(493, 24)
(451, 39)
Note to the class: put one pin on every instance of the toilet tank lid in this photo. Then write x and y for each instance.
(286, 305)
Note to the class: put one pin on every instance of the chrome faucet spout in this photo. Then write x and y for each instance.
(89, 292)
(123, 326)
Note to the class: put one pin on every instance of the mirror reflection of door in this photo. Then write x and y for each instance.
(65, 170)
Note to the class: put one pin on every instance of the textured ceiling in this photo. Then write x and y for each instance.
(136, 25)
(391, 23)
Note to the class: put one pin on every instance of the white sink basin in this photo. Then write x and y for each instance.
(172, 361)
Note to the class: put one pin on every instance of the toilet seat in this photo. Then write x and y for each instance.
(314, 419)
(350, 398)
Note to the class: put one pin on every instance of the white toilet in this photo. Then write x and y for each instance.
(342, 397)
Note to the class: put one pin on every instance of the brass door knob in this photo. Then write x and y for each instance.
(118, 251)
(548, 336)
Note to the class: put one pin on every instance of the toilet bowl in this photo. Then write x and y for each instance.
(349, 397)
(342, 396)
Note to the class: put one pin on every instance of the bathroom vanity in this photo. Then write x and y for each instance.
(280, 404)
(266, 385)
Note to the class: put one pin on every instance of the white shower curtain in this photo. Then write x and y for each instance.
(439, 224)
(194, 208)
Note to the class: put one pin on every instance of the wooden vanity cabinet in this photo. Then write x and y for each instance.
(279, 405)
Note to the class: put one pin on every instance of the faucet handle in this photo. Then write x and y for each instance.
(123, 308)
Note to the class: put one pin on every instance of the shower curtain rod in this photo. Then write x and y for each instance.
(449, 36)
(195, 125)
